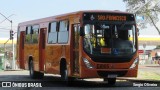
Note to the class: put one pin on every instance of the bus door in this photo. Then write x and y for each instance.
(21, 49)
(76, 30)
(42, 49)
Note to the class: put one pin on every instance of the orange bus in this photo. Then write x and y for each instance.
(83, 44)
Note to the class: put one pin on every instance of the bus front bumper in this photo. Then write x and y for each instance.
(101, 73)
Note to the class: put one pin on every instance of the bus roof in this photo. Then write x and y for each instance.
(52, 18)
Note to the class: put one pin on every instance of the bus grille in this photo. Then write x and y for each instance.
(111, 60)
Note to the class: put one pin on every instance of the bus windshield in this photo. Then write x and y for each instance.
(109, 39)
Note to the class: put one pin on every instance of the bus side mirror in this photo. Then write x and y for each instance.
(81, 31)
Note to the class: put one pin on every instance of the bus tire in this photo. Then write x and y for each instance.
(40, 75)
(64, 73)
(111, 81)
(105, 79)
(33, 74)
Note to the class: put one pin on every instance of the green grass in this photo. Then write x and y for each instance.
(148, 75)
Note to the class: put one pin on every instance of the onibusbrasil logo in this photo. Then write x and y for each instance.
(21, 84)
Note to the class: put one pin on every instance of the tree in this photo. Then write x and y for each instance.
(149, 9)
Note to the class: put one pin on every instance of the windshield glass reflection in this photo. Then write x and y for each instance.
(108, 39)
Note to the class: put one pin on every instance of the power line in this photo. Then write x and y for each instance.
(8, 26)
(6, 18)
(6, 29)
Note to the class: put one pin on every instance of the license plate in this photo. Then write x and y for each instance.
(112, 76)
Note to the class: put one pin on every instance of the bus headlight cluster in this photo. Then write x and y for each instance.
(134, 63)
(87, 63)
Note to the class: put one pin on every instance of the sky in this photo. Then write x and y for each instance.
(24, 10)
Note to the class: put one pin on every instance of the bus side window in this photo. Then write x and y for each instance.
(35, 33)
(52, 33)
(28, 35)
(63, 31)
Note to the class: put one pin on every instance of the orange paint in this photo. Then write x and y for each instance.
(46, 57)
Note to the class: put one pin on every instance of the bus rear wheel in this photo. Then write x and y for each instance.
(31, 70)
(34, 74)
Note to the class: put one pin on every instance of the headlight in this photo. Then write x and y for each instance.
(134, 63)
(87, 63)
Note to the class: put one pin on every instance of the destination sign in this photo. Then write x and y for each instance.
(112, 17)
(108, 17)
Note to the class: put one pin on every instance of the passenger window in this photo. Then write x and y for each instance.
(35, 33)
(63, 32)
(28, 36)
(52, 33)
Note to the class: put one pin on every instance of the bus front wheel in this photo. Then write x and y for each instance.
(64, 73)
(111, 81)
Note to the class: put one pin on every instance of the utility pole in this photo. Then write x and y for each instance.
(11, 38)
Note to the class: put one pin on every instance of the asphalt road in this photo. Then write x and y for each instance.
(53, 82)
